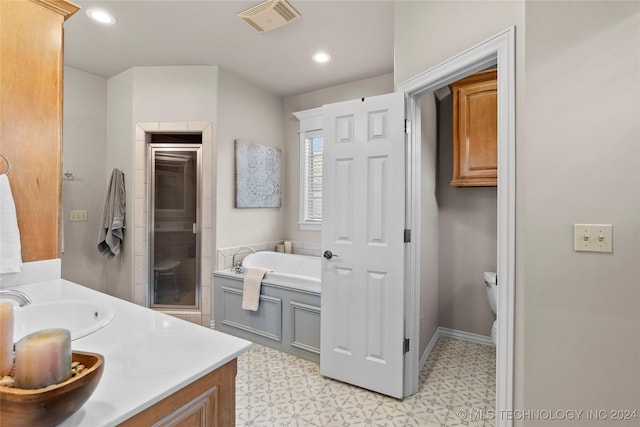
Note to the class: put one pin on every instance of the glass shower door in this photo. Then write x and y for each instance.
(174, 238)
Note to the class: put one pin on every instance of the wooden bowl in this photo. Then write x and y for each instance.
(51, 405)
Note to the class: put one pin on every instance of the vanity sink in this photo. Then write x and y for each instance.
(78, 316)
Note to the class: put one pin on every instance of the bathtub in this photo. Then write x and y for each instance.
(288, 316)
(297, 271)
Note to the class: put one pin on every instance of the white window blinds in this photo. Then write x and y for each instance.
(312, 179)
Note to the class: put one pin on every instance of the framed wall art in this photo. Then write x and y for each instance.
(257, 175)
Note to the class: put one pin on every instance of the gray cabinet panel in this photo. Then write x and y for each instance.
(286, 319)
(266, 321)
(305, 327)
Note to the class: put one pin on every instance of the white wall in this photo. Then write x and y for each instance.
(120, 154)
(430, 32)
(250, 113)
(175, 94)
(83, 154)
(362, 88)
(468, 240)
(429, 229)
(579, 162)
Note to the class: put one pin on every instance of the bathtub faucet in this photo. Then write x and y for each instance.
(237, 268)
(22, 298)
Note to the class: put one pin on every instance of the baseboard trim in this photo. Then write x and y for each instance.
(467, 336)
(452, 333)
(430, 346)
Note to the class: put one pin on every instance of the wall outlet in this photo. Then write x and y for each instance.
(593, 238)
(75, 216)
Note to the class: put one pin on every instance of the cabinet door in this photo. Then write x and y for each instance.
(31, 120)
(207, 402)
(475, 130)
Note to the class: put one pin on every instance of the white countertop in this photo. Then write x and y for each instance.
(148, 355)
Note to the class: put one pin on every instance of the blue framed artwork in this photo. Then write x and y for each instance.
(257, 175)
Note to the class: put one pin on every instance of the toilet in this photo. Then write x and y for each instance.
(490, 280)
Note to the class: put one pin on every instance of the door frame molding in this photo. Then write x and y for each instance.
(497, 50)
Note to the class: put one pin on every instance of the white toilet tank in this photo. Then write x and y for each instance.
(492, 292)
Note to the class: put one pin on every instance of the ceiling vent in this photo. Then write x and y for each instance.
(269, 15)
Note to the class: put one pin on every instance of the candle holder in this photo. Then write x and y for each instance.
(51, 405)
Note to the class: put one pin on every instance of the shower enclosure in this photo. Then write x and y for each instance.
(174, 237)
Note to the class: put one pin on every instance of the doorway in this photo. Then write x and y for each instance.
(498, 50)
(174, 240)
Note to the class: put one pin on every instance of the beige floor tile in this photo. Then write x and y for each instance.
(278, 389)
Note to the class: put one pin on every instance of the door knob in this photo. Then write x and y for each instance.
(329, 255)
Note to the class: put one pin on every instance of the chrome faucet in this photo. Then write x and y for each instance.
(237, 268)
(22, 298)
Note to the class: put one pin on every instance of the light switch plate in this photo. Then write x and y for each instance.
(593, 238)
(78, 215)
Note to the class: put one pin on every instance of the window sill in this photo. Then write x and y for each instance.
(312, 226)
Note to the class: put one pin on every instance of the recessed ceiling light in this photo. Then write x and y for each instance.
(101, 16)
(321, 57)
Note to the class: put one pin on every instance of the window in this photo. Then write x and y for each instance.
(310, 169)
(311, 179)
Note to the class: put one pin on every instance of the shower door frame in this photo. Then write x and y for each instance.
(151, 148)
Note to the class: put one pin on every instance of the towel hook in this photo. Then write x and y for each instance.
(6, 159)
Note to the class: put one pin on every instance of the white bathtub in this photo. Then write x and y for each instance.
(296, 271)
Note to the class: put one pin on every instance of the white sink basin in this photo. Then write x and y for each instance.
(80, 317)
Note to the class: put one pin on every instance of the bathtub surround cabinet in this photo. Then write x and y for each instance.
(288, 318)
(31, 121)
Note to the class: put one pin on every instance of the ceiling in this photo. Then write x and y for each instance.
(357, 34)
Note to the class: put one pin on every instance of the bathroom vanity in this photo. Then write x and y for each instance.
(159, 370)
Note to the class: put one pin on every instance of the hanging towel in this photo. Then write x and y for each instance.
(111, 234)
(251, 291)
(10, 250)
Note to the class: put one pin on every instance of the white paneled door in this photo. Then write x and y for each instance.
(363, 222)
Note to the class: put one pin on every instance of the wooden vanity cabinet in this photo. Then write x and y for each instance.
(475, 130)
(31, 118)
(207, 402)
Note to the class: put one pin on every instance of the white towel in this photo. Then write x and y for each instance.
(10, 249)
(111, 234)
(251, 291)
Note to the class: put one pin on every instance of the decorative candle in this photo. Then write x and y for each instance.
(43, 358)
(6, 338)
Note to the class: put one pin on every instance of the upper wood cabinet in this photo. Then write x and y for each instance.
(31, 117)
(475, 130)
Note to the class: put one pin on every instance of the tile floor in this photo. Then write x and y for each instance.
(278, 389)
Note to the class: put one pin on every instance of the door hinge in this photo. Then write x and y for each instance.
(407, 235)
(405, 347)
(407, 126)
